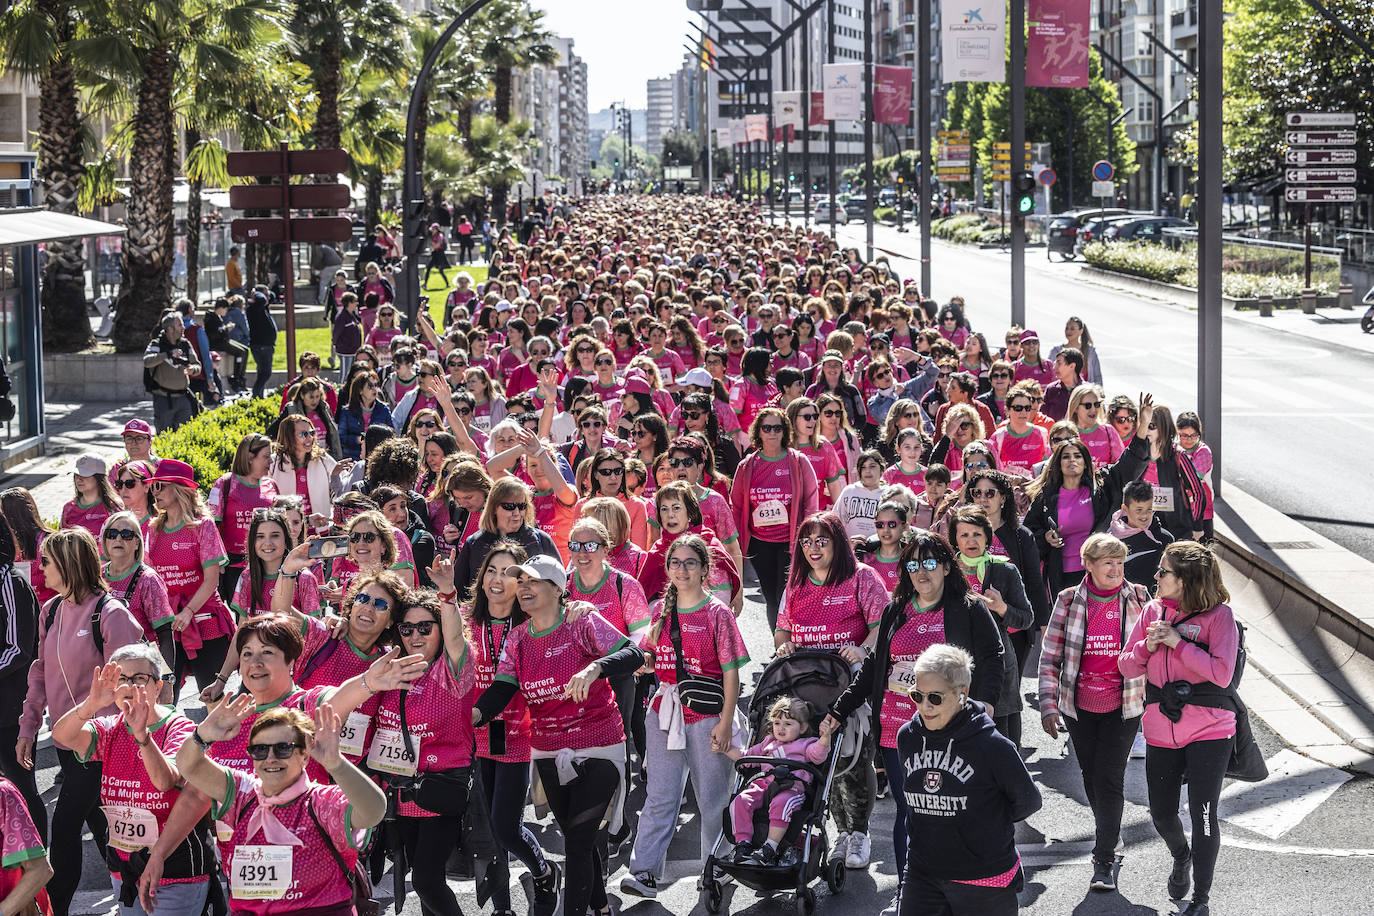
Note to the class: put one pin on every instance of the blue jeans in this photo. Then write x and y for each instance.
(173, 900)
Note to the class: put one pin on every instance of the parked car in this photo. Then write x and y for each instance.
(1094, 227)
(1063, 228)
(826, 210)
(1148, 229)
(856, 208)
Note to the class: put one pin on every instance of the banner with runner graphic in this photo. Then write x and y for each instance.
(1057, 54)
(892, 95)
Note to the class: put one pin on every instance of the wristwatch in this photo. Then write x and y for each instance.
(195, 736)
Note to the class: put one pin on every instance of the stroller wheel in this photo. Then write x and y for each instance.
(835, 875)
(712, 896)
(806, 900)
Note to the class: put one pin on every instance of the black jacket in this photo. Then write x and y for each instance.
(1190, 499)
(998, 408)
(472, 553)
(965, 788)
(972, 628)
(1025, 556)
(1042, 517)
(422, 547)
(18, 643)
(1146, 549)
(1007, 580)
(262, 327)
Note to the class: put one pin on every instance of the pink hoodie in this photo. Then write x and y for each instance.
(1186, 662)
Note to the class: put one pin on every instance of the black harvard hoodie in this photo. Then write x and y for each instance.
(965, 788)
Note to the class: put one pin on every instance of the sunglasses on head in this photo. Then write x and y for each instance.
(423, 627)
(122, 534)
(929, 564)
(585, 546)
(515, 507)
(367, 537)
(282, 750)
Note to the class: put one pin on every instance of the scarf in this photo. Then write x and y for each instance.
(1121, 529)
(274, 832)
(979, 565)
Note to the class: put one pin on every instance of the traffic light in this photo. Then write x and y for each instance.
(414, 232)
(1023, 187)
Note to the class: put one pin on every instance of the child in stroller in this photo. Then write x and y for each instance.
(789, 719)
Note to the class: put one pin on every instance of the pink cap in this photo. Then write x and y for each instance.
(169, 470)
(1029, 335)
(638, 385)
(138, 428)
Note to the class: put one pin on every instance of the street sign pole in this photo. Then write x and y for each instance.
(1017, 30)
(924, 180)
(1210, 140)
(288, 275)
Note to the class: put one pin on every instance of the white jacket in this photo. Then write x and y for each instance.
(318, 480)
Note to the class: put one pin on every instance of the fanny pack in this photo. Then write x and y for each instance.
(704, 696)
(443, 792)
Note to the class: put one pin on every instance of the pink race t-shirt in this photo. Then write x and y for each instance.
(1075, 524)
(77, 515)
(748, 397)
(1104, 444)
(486, 643)
(669, 365)
(20, 841)
(541, 663)
(889, 571)
(303, 490)
(711, 645)
(1024, 451)
(148, 601)
(915, 482)
(126, 784)
(1099, 678)
(232, 501)
(233, 752)
(833, 616)
(619, 598)
(920, 631)
(438, 718)
(827, 466)
(770, 499)
(306, 599)
(316, 880)
(180, 556)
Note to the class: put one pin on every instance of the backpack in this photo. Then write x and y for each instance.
(96, 634)
(1247, 761)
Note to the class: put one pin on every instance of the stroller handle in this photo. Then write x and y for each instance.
(778, 763)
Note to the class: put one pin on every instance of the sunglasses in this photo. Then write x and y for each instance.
(127, 484)
(426, 424)
(894, 524)
(832, 413)
(641, 433)
(965, 425)
(1020, 408)
(305, 434)
(771, 427)
(1123, 418)
(539, 354)
(1090, 405)
(605, 362)
(515, 507)
(585, 546)
(361, 600)
(688, 462)
(1061, 439)
(935, 697)
(610, 471)
(884, 374)
(423, 627)
(929, 564)
(1000, 375)
(282, 750)
(462, 412)
(367, 537)
(688, 564)
(819, 543)
(122, 534)
(983, 494)
(808, 417)
(593, 424)
(691, 415)
(1162, 572)
(946, 374)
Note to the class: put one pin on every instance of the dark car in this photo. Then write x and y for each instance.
(856, 208)
(1063, 229)
(1148, 229)
(1094, 228)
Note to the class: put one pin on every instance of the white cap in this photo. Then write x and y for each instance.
(543, 567)
(697, 376)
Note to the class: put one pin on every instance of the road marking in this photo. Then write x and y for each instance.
(1296, 787)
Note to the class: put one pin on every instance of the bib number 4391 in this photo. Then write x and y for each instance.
(261, 872)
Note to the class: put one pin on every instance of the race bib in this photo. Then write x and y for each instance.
(902, 678)
(770, 513)
(261, 872)
(223, 832)
(389, 755)
(1164, 499)
(131, 829)
(352, 734)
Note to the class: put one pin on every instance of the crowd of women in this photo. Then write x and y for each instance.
(482, 567)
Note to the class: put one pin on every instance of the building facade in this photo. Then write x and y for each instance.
(661, 115)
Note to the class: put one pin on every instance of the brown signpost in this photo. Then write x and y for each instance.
(282, 164)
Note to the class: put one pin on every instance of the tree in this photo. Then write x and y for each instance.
(374, 135)
(35, 38)
(143, 46)
(682, 147)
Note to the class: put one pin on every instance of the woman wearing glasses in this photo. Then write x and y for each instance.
(701, 414)
(60, 678)
(694, 624)
(607, 478)
(131, 483)
(301, 468)
(384, 332)
(135, 583)
(772, 491)
(234, 498)
(136, 747)
(580, 358)
(606, 387)
(884, 394)
(616, 596)
(834, 602)
(785, 352)
(932, 604)
(1186, 634)
(999, 379)
(1085, 412)
(508, 515)
(805, 419)
(1020, 445)
(1122, 413)
(186, 551)
(364, 408)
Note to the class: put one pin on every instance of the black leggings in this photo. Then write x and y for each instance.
(78, 803)
(896, 780)
(631, 695)
(209, 658)
(23, 778)
(1204, 763)
(772, 562)
(505, 786)
(1102, 743)
(429, 841)
(579, 807)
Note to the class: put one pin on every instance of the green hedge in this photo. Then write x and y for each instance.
(1168, 265)
(208, 442)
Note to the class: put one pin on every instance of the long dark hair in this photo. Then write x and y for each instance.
(1051, 479)
(702, 402)
(26, 524)
(754, 365)
(257, 572)
(842, 566)
(926, 545)
(1003, 485)
(480, 613)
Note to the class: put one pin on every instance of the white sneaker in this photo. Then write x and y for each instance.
(1138, 747)
(859, 851)
(841, 848)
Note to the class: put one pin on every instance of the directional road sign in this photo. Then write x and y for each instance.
(1339, 156)
(302, 196)
(1319, 176)
(1320, 119)
(1302, 195)
(299, 162)
(303, 229)
(1103, 170)
(1319, 137)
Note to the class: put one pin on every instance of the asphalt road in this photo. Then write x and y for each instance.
(1298, 416)
(1300, 843)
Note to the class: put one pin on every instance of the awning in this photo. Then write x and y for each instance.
(33, 225)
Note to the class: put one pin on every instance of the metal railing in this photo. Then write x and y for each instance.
(1248, 255)
(1356, 245)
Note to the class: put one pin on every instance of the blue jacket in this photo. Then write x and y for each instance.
(351, 427)
(239, 331)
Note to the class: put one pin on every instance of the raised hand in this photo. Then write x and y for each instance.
(225, 720)
(324, 748)
(441, 573)
(104, 686)
(393, 671)
(298, 559)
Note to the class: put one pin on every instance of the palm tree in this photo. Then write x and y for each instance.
(35, 38)
(513, 39)
(145, 44)
(374, 135)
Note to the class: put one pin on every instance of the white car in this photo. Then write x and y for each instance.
(828, 211)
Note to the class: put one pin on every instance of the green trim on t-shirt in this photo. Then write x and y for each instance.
(90, 750)
(218, 809)
(220, 560)
(696, 607)
(89, 505)
(349, 830)
(924, 610)
(294, 691)
(763, 457)
(506, 679)
(1089, 429)
(119, 578)
(1099, 595)
(23, 855)
(538, 633)
(582, 586)
(736, 663)
(1015, 435)
(253, 486)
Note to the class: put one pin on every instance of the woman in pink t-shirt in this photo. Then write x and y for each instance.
(26, 867)
(1080, 681)
(288, 835)
(139, 781)
(95, 498)
(235, 497)
(1085, 410)
(1020, 445)
(624, 554)
(806, 428)
(134, 582)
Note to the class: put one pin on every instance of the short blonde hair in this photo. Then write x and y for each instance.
(1100, 546)
(612, 515)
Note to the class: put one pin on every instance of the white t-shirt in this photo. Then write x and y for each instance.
(857, 507)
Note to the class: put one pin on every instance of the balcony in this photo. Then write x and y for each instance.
(1183, 24)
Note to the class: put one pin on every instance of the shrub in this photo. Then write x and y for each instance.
(1142, 259)
(207, 443)
(885, 215)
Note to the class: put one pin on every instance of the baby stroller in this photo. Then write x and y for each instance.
(817, 678)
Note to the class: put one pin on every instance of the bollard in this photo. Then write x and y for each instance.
(1346, 297)
(1309, 302)
(1266, 306)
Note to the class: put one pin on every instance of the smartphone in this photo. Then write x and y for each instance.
(323, 548)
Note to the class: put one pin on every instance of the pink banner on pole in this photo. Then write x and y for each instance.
(1057, 54)
(891, 95)
(817, 108)
(783, 134)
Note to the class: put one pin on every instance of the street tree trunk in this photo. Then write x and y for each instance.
(327, 80)
(500, 191)
(66, 327)
(193, 210)
(147, 288)
(374, 200)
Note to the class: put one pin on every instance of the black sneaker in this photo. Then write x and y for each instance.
(546, 888)
(766, 856)
(640, 885)
(882, 784)
(1181, 878)
(744, 852)
(1104, 876)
